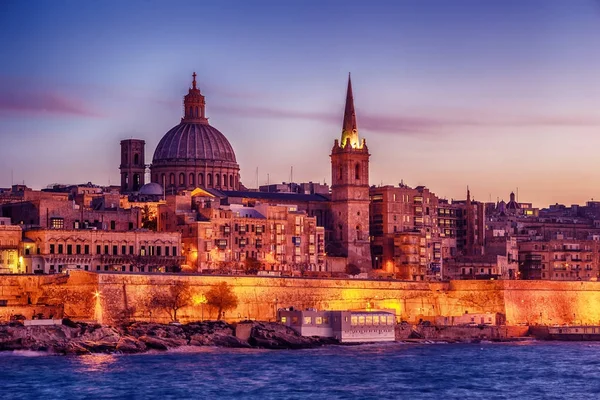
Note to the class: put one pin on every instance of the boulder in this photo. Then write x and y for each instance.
(130, 345)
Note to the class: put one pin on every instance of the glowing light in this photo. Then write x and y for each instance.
(198, 299)
(96, 294)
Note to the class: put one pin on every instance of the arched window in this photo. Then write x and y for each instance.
(231, 181)
(209, 180)
(196, 112)
(224, 180)
(162, 180)
(192, 179)
(340, 173)
(136, 182)
(191, 112)
(201, 179)
(217, 180)
(182, 179)
(136, 159)
(172, 179)
(357, 171)
(358, 233)
(341, 230)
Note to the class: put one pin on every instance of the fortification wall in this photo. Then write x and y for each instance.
(109, 297)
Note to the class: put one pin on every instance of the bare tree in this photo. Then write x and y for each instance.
(221, 297)
(251, 266)
(176, 297)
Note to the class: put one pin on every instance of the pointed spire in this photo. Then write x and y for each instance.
(349, 128)
(194, 81)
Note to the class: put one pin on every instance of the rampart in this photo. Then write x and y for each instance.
(109, 297)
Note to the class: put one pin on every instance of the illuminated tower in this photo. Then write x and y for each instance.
(350, 192)
(133, 167)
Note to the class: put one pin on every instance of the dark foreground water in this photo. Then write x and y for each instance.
(387, 371)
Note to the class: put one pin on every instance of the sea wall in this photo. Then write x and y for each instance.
(110, 297)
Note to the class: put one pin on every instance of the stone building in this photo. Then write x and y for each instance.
(133, 165)
(193, 153)
(10, 240)
(279, 239)
(57, 250)
(350, 192)
(407, 239)
(559, 259)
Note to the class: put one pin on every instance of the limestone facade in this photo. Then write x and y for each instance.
(57, 250)
(10, 239)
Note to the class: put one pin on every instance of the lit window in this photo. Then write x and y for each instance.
(319, 320)
(354, 320)
(307, 320)
(283, 320)
(361, 320)
(57, 223)
(375, 319)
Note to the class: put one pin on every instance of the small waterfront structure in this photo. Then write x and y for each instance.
(574, 333)
(345, 326)
(468, 319)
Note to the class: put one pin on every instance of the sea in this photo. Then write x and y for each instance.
(519, 370)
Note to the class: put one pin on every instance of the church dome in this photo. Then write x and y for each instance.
(151, 189)
(193, 142)
(193, 153)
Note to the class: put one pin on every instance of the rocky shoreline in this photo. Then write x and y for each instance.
(72, 338)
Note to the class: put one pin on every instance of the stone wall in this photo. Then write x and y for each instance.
(109, 297)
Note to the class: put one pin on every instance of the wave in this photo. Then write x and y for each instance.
(25, 353)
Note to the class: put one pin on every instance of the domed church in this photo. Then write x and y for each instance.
(193, 153)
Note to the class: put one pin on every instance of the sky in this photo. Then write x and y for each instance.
(494, 95)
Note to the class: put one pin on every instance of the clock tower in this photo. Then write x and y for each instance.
(350, 192)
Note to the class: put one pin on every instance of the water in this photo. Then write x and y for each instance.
(387, 371)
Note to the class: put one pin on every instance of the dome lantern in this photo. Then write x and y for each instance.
(194, 105)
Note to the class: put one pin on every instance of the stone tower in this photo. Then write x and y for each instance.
(350, 192)
(133, 166)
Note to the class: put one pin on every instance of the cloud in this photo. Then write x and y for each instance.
(44, 103)
(402, 124)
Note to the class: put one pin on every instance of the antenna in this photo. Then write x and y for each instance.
(291, 174)
(517, 194)
(257, 183)
(268, 179)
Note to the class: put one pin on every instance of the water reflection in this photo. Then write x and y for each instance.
(95, 363)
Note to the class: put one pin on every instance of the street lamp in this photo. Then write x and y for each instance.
(200, 299)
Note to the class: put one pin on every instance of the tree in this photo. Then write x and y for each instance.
(148, 219)
(221, 297)
(352, 269)
(176, 297)
(251, 266)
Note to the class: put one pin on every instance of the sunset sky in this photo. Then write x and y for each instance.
(491, 94)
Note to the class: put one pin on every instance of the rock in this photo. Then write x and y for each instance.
(228, 341)
(130, 345)
(154, 343)
(99, 347)
(74, 349)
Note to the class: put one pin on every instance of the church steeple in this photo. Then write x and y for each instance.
(194, 105)
(349, 128)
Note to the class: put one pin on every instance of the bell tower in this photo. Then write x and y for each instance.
(133, 165)
(350, 191)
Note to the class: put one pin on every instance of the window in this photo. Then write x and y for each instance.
(319, 320)
(123, 249)
(78, 249)
(357, 171)
(174, 250)
(167, 251)
(231, 181)
(209, 180)
(57, 223)
(60, 249)
(114, 250)
(98, 249)
(136, 159)
(105, 249)
(182, 179)
(113, 225)
(130, 249)
(217, 180)
(51, 249)
(172, 179)
(192, 180)
(283, 320)
(69, 249)
(307, 320)
(340, 173)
